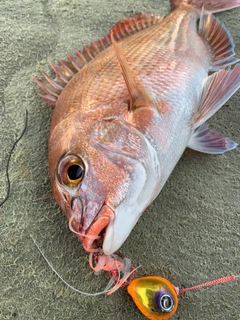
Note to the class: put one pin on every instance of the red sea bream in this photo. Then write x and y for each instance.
(126, 108)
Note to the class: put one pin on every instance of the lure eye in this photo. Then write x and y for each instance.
(164, 301)
(70, 171)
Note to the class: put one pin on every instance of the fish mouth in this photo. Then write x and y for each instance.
(93, 237)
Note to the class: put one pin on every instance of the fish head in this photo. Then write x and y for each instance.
(101, 172)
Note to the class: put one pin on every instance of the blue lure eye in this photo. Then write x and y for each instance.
(164, 301)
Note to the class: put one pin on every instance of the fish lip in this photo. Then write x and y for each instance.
(93, 233)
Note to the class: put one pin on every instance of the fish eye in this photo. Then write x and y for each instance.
(75, 172)
(70, 170)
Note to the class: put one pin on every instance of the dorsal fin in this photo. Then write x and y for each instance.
(219, 40)
(209, 5)
(138, 22)
(66, 69)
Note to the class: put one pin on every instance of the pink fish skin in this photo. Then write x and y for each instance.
(126, 108)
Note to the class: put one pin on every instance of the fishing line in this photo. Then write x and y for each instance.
(9, 158)
(112, 286)
(67, 284)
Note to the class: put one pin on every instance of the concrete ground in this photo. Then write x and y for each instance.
(189, 235)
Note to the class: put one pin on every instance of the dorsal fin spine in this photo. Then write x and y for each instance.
(73, 59)
(64, 64)
(47, 88)
(59, 72)
(53, 83)
(95, 46)
(48, 99)
(81, 57)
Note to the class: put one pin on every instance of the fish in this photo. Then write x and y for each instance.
(126, 108)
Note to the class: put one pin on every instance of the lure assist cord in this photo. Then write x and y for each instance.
(209, 283)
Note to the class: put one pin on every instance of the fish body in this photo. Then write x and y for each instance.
(126, 108)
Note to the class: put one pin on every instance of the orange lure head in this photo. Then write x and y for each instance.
(154, 296)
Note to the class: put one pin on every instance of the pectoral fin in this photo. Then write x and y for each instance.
(205, 140)
(139, 97)
(216, 90)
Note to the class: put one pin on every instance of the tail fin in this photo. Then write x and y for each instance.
(209, 5)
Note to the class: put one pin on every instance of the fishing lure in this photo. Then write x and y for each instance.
(154, 296)
(157, 298)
